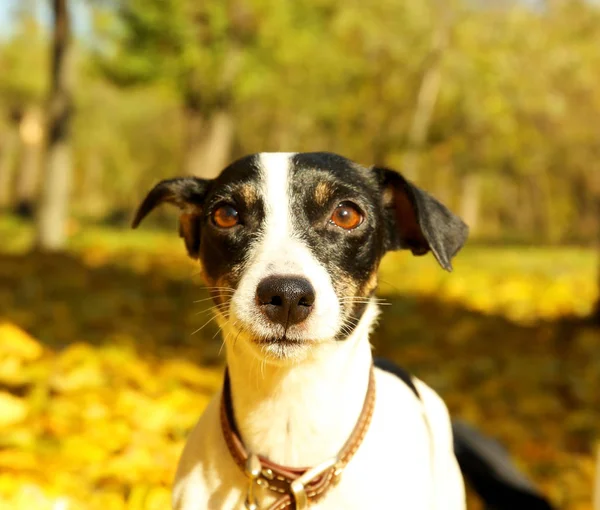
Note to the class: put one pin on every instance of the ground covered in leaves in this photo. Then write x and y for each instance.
(101, 377)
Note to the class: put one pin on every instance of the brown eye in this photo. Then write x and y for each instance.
(347, 216)
(225, 216)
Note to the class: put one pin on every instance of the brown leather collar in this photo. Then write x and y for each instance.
(298, 487)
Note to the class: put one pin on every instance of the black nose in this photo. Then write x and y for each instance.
(286, 300)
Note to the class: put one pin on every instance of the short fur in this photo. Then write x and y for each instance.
(298, 389)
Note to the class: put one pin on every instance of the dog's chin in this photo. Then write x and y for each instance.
(279, 350)
(273, 345)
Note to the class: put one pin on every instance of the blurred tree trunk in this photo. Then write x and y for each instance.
(194, 124)
(470, 200)
(31, 136)
(8, 151)
(208, 142)
(596, 312)
(91, 186)
(53, 210)
(593, 185)
(596, 489)
(217, 143)
(427, 96)
(209, 122)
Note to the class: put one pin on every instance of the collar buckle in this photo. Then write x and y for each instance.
(253, 469)
(298, 485)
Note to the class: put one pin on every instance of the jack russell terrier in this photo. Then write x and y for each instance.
(289, 245)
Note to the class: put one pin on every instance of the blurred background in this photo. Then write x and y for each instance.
(106, 361)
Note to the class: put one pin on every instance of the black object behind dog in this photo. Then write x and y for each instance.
(484, 463)
(488, 468)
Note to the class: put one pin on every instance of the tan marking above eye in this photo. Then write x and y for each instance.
(322, 192)
(225, 216)
(347, 216)
(249, 194)
(388, 197)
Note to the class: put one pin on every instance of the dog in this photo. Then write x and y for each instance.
(289, 246)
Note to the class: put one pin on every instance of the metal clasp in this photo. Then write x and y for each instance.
(253, 469)
(298, 485)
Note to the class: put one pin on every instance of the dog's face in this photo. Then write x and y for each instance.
(290, 243)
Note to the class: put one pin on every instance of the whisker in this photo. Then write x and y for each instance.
(235, 339)
(210, 308)
(226, 317)
(219, 308)
(205, 324)
(387, 282)
(350, 301)
(202, 300)
(217, 332)
(348, 324)
(227, 336)
(361, 298)
(360, 301)
(364, 301)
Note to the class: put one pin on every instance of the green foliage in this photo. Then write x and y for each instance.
(518, 102)
(187, 43)
(24, 66)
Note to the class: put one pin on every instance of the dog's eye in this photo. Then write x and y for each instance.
(347, 216)
(225, 216)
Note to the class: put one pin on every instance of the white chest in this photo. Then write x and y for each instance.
(397, 465)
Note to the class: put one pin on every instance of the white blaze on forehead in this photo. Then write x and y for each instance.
(275, 172)
(280, 251)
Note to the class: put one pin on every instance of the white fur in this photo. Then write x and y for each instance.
(298, 407)
(301, 414)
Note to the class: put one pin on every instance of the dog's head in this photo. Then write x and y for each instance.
(290, 243)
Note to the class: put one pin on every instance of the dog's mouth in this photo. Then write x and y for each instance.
(281, 340)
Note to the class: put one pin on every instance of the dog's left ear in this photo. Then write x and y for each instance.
(417, 221)
(188, 194)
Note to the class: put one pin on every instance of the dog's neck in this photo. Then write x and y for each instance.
(300, 414)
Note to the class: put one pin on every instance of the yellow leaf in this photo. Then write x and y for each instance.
(11, 371)
(15, 341)
(82, 378)
(12, 409)
(191, 374)
(18, 460)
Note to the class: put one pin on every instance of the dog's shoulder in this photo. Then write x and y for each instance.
(449, 486)
(204, 464)
(414, 428)
(415, 405)
(411, 394)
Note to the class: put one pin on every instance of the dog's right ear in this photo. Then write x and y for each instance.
(188, 194)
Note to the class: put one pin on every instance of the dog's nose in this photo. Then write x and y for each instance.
(286, 300)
